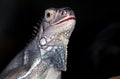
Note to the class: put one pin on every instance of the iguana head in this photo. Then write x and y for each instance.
(57, 22)
(56, 28)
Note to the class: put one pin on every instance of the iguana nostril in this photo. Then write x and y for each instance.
(72, 13)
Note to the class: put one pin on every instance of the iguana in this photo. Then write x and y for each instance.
(46, 55)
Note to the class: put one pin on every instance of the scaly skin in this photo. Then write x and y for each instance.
(46, 55)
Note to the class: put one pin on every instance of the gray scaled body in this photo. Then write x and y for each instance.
(46, 55)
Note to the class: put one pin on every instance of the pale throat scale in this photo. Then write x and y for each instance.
(46, 55)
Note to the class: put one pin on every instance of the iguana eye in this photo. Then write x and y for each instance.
(49, 15)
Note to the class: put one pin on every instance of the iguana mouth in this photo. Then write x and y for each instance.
(64, 20)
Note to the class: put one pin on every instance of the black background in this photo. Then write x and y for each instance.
(93, 50)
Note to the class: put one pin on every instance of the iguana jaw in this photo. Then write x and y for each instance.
(64, 20)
